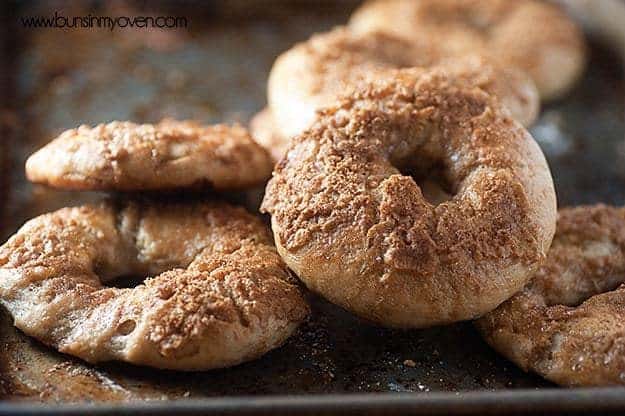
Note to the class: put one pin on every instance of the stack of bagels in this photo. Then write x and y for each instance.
(405, 189)
(220, 293)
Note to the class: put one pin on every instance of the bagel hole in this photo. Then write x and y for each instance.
(125, 282)
(433, 182)
(126, 327)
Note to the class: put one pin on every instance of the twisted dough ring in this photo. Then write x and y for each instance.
(125, 156)
(567, 323)
(357, 231)
(533, 36)
(312, 74)
(223, 295)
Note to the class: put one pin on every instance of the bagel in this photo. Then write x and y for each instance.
(263, 124)
(533, 36)
(124, 156)
(568, 323)
(312, 74)
(221, 294)
(359, 232)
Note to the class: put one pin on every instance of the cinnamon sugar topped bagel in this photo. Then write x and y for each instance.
(312, 74)
(358, 231)
(124, 156)
(531, 35)
(221, 295)
(568, 323)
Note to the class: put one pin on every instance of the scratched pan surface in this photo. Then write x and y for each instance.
(216, 71)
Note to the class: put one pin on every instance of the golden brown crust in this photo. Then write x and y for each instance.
(221, 294)
(567, 323)
(312, 74)
(533, 36)
(125, 156)
(358, 232)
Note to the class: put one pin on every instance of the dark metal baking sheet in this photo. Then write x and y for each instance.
(521, 402)
(216, 71)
